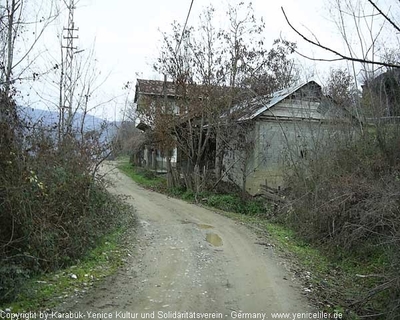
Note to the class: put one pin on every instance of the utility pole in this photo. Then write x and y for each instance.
(68, 82)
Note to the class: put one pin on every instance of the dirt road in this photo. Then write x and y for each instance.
(190, 259)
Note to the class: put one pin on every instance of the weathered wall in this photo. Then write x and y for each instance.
(285, 137)
(239, 158)
(154, 160)
(285, 144)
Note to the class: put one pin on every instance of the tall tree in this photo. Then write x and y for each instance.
(14, 16)
(340, 87)
(213, 70)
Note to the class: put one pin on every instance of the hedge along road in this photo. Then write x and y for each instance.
(190, 259)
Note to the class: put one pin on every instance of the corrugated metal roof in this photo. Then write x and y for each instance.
(261, 104)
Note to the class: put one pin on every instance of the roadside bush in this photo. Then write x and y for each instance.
(347, 200)
(188, 195)
(53, 208)
(235, 203)
(146, 173)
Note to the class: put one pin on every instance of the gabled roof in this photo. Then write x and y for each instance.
(154, 88)
(261, 104)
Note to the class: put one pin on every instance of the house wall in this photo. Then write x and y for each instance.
(155, 160)
(289, 134)
(303, 109)
(282, 145)
(239, 158)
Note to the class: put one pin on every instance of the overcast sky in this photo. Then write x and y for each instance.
(128, 32)
(126, 35)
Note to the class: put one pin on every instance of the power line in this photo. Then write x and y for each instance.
(184, 27)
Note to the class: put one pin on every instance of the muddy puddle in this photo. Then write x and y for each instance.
(214, 239)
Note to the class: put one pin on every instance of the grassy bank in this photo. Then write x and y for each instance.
(46, 291)
(226, 202)
(333, 279)
(32, 288)
(143, 177)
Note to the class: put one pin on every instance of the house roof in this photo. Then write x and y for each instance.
(154, 88)
(261, 104)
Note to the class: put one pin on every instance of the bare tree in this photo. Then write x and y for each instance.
(13, 24)
(214, 70)
(364, 166)
(341, 88)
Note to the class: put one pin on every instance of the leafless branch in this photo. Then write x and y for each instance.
(384, 15)
(340, 55)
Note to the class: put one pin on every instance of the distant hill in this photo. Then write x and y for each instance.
(49, 119)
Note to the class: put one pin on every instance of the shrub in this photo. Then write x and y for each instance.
(188, 195)
(235, 203)
(348, 201)
(146, 173)
(53, 209)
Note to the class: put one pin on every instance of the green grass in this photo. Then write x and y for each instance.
(309, 256)
(46, 291)
(338, 276)
(226, 202)
(143, 177)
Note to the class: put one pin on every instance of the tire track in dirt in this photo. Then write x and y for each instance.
(175, 268)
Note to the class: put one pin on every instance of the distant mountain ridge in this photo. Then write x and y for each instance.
(49, 119)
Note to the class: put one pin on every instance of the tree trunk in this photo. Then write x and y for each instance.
(197, 181)
(148, 157)
(153, 160)
(244, 177)
(219, 156)
(10, 44)
(172, 182)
